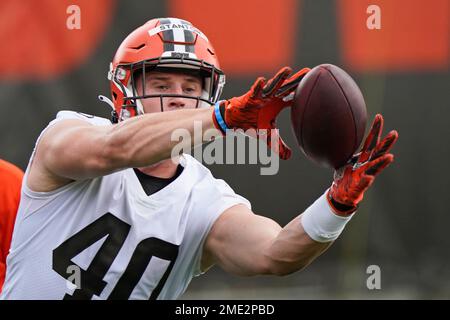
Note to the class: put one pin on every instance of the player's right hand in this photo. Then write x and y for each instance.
(258, 108)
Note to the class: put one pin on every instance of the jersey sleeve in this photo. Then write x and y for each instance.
(67, 115)
(217, 196)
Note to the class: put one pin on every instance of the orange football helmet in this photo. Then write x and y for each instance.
(159, 44)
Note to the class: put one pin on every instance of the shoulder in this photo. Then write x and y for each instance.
(203, 176)
(193, 164)
(58, 149)
(68, 120)
(94, 120)
(211, 195)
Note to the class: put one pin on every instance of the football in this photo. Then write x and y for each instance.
(328, 116)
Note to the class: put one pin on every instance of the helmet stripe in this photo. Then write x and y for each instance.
(167, 36)
(189, 37)
(178, 35)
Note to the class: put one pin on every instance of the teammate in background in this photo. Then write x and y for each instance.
(10, 184)
(107, 214)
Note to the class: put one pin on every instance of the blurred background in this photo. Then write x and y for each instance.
(402, 68)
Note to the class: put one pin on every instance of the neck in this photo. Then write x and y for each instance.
(163, 169)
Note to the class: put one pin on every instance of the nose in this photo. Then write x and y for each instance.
(177, 102)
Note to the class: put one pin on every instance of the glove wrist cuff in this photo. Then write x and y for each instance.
(338, 208)
(218, 117)
(320, 221)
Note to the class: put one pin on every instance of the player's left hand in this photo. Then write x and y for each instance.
(352, 180)
(259, 107)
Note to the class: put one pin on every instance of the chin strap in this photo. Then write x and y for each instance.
(106, 100)
(114, 116)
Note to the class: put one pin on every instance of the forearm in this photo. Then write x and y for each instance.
(293, 249)
(248, 244)
(146, 139)
(305, 237)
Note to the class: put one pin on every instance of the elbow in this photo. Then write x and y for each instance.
(116, 153)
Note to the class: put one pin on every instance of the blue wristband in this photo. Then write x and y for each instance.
(219, 118)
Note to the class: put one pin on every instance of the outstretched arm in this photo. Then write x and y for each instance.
(74, 149)
(244, 243)
(247, 244)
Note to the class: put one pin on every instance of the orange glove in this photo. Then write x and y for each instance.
(259, 107)
(352, 180)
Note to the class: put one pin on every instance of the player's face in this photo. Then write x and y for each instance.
(169, 83)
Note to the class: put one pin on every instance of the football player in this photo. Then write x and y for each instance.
(106, 214)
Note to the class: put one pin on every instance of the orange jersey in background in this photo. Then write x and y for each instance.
(10, 185)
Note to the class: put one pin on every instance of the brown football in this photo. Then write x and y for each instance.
(328, 115)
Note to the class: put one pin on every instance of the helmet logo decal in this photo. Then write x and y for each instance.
(176, 35)
(176, 25)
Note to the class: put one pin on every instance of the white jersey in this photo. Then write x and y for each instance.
(105, 238)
